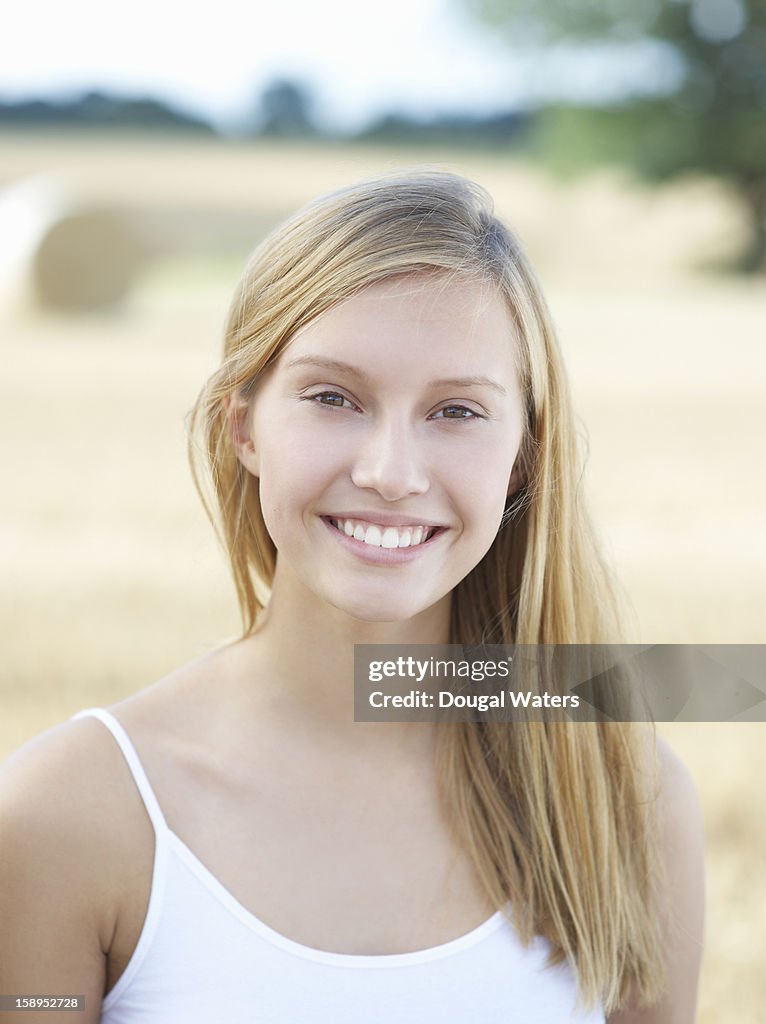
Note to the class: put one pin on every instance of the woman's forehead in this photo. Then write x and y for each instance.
(433, 319)
(435, 296)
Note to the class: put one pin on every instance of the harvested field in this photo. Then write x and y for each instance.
(112, 575)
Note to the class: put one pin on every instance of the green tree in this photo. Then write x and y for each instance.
(713, 120)
(285, 109)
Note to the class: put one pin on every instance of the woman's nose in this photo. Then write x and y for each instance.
(391, 462)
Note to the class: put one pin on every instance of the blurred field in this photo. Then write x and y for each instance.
(112, 575)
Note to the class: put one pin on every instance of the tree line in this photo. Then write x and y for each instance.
(709, 118)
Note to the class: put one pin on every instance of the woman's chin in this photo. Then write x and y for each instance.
(381, 608)
(377, 612)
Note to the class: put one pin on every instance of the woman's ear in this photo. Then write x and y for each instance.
(238, 414)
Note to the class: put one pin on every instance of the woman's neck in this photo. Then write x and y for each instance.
(300, 662)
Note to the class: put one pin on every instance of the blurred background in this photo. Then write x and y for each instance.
(144, 153)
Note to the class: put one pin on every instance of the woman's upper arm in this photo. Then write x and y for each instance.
(54, 904)
(682, 847)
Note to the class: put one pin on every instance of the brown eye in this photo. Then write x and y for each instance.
(329, 398)
(457, 412)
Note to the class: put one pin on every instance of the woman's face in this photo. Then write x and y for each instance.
(384, 438)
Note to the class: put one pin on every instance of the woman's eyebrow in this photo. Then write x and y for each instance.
(327, 364)
(338, 366)
(475, 381)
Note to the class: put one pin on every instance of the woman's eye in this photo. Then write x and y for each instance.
(335, 400)
(457, 412)
(331, 398)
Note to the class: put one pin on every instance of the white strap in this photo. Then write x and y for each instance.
(134, 763)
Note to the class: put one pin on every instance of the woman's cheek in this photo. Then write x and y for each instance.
(482, 479)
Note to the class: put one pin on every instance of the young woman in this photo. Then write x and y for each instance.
(393, 460)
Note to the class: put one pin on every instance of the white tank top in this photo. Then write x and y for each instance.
(202, 957)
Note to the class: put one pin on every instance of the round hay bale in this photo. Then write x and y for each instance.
(62, 253)
(85, 260)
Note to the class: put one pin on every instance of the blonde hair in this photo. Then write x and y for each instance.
(556, 816)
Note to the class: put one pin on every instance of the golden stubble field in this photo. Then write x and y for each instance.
(111, 574)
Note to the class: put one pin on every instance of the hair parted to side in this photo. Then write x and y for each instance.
(558, 818)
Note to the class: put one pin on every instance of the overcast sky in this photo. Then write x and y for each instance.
(360, 59)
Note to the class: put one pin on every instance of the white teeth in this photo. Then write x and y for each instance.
(390, 538)
(373, 536)
(383, 536)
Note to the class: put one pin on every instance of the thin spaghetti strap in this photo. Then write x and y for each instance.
(134, 763)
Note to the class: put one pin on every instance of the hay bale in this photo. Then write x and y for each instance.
(60, 253)
(85, 260)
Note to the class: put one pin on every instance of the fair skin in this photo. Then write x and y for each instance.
(374, 436)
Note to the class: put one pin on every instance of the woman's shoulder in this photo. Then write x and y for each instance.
(681, 829)
(77, 756)
(60, 869)
(681, 854)
(675, 787)
(70, 814)
(58, 784)
(177, 713)
(76, 842)
(68, 786)
(679, 812)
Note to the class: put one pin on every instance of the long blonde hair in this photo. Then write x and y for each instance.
(558, 818)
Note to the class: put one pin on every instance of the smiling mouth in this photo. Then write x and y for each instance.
(385, 536)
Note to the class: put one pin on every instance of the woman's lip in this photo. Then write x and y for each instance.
(384, 519)
(381, 556)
